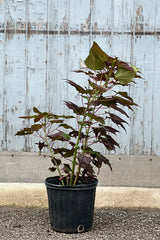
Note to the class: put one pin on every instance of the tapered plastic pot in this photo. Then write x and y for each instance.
(71, 208)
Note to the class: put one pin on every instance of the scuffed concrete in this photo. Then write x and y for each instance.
(34, 195)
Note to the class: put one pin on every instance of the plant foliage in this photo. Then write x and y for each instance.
(101, 105)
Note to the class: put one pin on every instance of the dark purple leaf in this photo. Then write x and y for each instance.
(69, 153)
(75, 133)
(41, 145)
(97, 87)
(96, 118)
(25, 131)
(110, 129)
(36, 127)
(52, 169)
(77, 110)
(66, 126)
(98, 158)
(83, 159)
(36, 110)
(61, 136)
(56, 161)
(78, 87)
(56, 121)
(117, 120)
(118, 109)
(67, 169)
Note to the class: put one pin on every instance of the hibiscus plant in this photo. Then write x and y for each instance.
(98, 119)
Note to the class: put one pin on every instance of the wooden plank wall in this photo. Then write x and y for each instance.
(42, 42)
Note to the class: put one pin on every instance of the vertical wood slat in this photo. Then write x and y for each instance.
(41, 42)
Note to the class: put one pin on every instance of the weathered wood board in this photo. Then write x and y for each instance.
(42, 42)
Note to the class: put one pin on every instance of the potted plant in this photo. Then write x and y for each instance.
(71, 194)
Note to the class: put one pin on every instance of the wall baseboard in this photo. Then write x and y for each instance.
(128, 170)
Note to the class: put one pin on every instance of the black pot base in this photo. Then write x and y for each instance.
(71, 208)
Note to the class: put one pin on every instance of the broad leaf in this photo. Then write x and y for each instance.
(125, 76)
(97, 58)
(61, 136)
(36, 127)
(83, 160)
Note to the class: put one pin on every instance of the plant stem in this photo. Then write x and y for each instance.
(50, 149)
(91, 98)
(76, 149)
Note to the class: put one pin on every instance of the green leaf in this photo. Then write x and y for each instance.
(64, 116)
(56, 121)
(135, 69)
(69, 153)
(28, 117)
(36, 110)
(97, 58)
(96, 118)
(38, 118)
(125, 76)
(66, 126)
(86, 123)
(61, 151)
(66, 136)
(36, 127)
(25, 131)
(97, 87)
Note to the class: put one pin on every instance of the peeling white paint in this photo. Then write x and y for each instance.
(41, 42)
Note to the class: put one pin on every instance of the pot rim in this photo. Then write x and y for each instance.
(52, 182)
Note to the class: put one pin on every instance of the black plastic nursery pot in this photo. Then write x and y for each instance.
(71, 208)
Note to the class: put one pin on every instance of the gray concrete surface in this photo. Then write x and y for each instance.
(109, 224)
(128, 170)
(34, 195)
(121, 213)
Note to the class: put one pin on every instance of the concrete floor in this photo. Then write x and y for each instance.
(34, 195)
(120, 213)
(109, 224)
